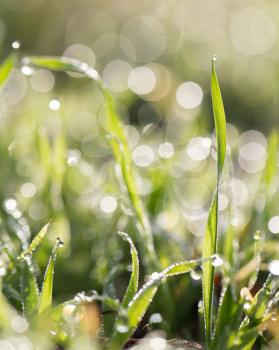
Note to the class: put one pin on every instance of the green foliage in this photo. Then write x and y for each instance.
(210, 239)
(6, 69)
(93, 257)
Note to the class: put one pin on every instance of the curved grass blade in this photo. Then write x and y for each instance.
(118, 142)
(6, 68)
(141, 301)
(46, 293)
(210, 239)
(35, 242)
(134, 280)
(29, 289)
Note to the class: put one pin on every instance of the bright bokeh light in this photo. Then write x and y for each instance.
(166, 150)
(42, 81)
(54, 105)
(108, 204)
(143, 156)
(189, 95)
(273, 224)
(199, 148)
(116, 75)
(252, 31)
(142, 80)
(274, 267)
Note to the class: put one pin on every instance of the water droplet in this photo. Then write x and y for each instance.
(27, 257)
(245, 294)
(215, 57)
(121, 328)
(27, 70)
(196, 274)
(68, 312)
(16, 44)
(54, 105)
(247, 306)
(155, 318)
(200, 306)
(258, 235)
(154, 275)
(2, 271)
(10, 205)
(59, 242)
(217, 261)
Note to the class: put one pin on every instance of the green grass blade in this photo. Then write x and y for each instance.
(224, 318)
(259, 304)
(141, 301)
(35, 242)
(117, 140)
(255, 314)
(6, 68)
(29, 289)
(270, 166)
(120, 148)
(46, 293)
(53, 63)
(210, 239)
(133, 283)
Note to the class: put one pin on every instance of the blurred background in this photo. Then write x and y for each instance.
(156, 58)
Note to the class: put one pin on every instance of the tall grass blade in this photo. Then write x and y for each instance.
(210, 239)
(134, 279)
(35, 242)
(29, 289)
(46, 293)
(6, 69)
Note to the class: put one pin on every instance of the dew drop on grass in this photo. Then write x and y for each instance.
(258, 235)
(245, 294)
(196, 274)
(54, 105)
(247, 305)
(215, 57)
(121, 328)
(27, 70)
(155, 318)
(27, 258)
(2, 271)
(217, 261)
(59, 242)
(16, 44)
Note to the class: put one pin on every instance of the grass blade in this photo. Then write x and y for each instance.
(35, 242)
(29, 289)
(141, 301)
(46, 293)
(255, 314)
(6, 68)
(223, 323)
(270, 166)
(210, 239)
(133, 283)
